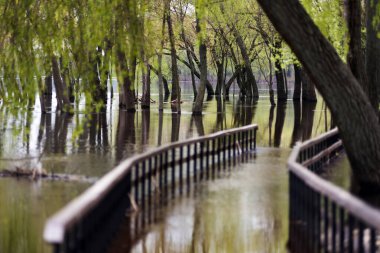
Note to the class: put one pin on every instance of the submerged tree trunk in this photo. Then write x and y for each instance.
(373, 55)
(297, 82)
(349, 105)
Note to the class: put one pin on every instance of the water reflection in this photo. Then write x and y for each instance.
(91, 145)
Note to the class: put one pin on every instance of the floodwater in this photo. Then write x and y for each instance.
(246, 211)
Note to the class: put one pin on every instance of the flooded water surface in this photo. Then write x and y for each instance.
(243, 211)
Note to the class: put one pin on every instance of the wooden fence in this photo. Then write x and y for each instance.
(89, 222)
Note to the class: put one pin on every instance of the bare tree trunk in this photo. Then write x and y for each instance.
(349, 105)
(373, 55)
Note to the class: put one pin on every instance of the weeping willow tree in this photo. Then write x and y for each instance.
(77, 42)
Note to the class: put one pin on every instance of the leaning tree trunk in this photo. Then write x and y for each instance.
(373, 55)
(349, 105)
(297, 82)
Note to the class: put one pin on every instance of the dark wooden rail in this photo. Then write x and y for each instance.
(324, 217)
(89, 222)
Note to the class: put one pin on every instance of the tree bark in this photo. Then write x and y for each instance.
(373, 55)
(349, 105)
(297, 82)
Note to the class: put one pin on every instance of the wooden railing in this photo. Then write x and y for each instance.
(89, 222)
(322, 216)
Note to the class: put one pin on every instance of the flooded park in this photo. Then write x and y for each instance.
(246, 208)
(189, 126)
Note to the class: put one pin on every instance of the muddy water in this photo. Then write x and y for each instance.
(245, 212)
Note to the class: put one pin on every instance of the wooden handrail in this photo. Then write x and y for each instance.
(78, 208)
(349, 202)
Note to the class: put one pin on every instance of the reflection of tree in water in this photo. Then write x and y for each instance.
(196, 120)
(244, 112)
(176, 122)
(145, 127)
(126, 135)
(270, 123)
(303, 121)
(279, 125)
(220, 115)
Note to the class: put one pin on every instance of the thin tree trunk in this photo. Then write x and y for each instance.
(349, 105)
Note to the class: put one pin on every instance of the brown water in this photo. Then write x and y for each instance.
(244, 212)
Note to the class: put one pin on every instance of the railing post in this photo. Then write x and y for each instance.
(180, 169)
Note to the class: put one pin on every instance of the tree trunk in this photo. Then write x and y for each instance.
(251, 85)
(349, 105)
(373, 55)
(308, 90)
(145, 100)
(281, 93)
(297, 82)
(190, 59)
(63, 102)
(220, 77)
(355, 57)
(198, 104)
(41, 93)
(126, 78)
(176, 96)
